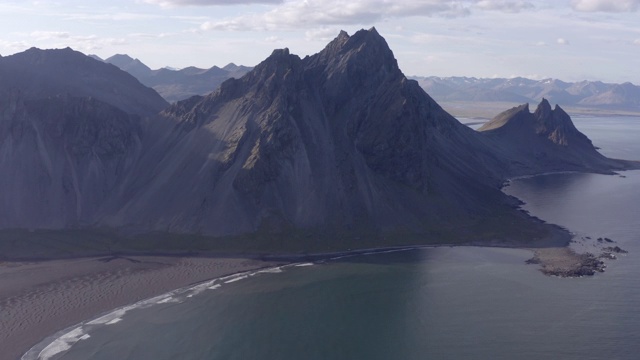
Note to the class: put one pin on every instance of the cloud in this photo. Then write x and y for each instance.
(59, 39)
(562, 41)
(636, 42)
(605, 5)
(272, 39)
(321, 34)
(174, 3)
(504, 6)
(49, 35)
(294, 14)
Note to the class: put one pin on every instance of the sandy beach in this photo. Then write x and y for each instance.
(40, 298)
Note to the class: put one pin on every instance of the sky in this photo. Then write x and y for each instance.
(571, 40)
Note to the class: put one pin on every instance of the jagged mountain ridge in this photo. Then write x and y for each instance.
(520, 90)
(339, 141)
(175, 85)
(333, 150)
(547, 136)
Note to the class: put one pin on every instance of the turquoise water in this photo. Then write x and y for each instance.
(433, 303)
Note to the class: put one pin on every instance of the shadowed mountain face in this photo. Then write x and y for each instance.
(331, 151)
(339, 142)
(70, 128)
(546, 139)
(43, 73)
(60, 158)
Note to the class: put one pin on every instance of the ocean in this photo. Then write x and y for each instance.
(428, 303)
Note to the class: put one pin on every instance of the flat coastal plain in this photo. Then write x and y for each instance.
(39, 298)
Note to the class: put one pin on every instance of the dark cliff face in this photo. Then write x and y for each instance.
(70, 129)
(546, 140)
(60, 158)
(43, 73)
(339, 141)
(330, 148)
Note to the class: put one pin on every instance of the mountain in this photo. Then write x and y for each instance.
(520, 90)
(549, 138)
(134, 67)
(61, 157)
(70, 129)
(622, 95)
(332, 151)
(42, 73)
(176, 85)
(334, 146)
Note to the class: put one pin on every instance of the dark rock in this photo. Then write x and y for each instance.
(615, 249)
(340, 145)
(547, 139)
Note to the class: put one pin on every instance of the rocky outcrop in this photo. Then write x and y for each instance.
(546, 140)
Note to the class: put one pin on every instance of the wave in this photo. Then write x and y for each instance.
(62, 341)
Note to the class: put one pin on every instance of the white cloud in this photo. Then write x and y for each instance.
(605, 5)
(504, 5)
(48, 35)
(636, 41)
(562, 41)
(303, 13)
(174, 3)
(321, 34)
(541, 43)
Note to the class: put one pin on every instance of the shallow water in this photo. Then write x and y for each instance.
(435, 303)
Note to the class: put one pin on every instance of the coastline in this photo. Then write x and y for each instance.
(40, 298)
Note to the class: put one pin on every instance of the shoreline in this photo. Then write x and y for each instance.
(59, 294)
(41, 298)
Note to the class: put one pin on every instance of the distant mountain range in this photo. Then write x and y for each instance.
(594, 94)
(334, 151)
(174, 85)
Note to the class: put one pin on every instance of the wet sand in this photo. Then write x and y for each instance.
(40, 298)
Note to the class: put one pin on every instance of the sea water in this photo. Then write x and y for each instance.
(432, 303)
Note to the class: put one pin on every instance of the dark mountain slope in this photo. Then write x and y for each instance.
(60, 157)
(70, 129)
(39, 73)
(337, 150)
(547, 140)
(337, 144)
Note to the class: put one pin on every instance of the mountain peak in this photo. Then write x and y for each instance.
(543, 110)
(280, 52)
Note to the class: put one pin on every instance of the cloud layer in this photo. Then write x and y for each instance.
(297, 13)
(172, 3)
(605, 5)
